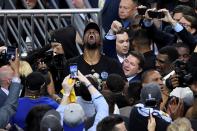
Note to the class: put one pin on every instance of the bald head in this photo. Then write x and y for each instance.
(6, 73)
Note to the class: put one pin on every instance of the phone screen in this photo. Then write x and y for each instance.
(73, 70)
(10, 54)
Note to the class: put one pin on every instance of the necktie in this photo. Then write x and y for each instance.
(101, 3)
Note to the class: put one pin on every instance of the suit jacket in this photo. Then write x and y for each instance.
(163, 39)
(107, 16)
(169, 39)
(10, 105)
(136, 78)
(3, 97)
(109, 46)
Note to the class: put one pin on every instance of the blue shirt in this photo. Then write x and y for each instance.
(25, 104)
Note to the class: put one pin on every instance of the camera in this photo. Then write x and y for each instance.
(156, 14)
(141, 10)
(185, 78)
(73, 70)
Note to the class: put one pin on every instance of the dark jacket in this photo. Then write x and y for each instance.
(139, 122)
(10, 105)
(107, 16)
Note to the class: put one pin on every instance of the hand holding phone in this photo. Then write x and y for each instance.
(73, 70)
(11, 53)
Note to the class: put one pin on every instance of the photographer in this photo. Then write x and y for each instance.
(185, 28)
(186, 34)
(182, 85)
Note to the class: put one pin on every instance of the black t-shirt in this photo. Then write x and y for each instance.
(138, 122)
(104, 67)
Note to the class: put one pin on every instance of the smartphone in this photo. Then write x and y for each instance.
(155, 14)
(141, 11)
(11, 53)
(73, 70)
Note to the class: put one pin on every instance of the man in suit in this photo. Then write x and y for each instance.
(6, 74)
(10, 104)
(107, 16)
(127, 12)
(122, 45)
(133, 66)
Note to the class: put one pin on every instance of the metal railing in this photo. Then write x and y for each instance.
(36, 24)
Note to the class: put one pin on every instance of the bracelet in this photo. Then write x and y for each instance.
(89, 85)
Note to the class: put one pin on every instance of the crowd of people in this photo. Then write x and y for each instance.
(141, 76)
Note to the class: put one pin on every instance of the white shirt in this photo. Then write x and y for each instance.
(5, 90)
(130, 78)
(121, 59)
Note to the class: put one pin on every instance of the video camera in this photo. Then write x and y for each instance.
(185, 78)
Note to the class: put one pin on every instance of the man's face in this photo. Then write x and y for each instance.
(183, 54)
(127, 9)
(187, 25)
(122, 44)
(92, 39)
(6, 74)
(78, 4)
(154, 76)
(177, 16)
(163, 64)
(131, 66)
(57, 48)
(29, 4)
(120, 127)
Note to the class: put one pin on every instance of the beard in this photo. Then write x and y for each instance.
(91, 46)
(91, 42)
